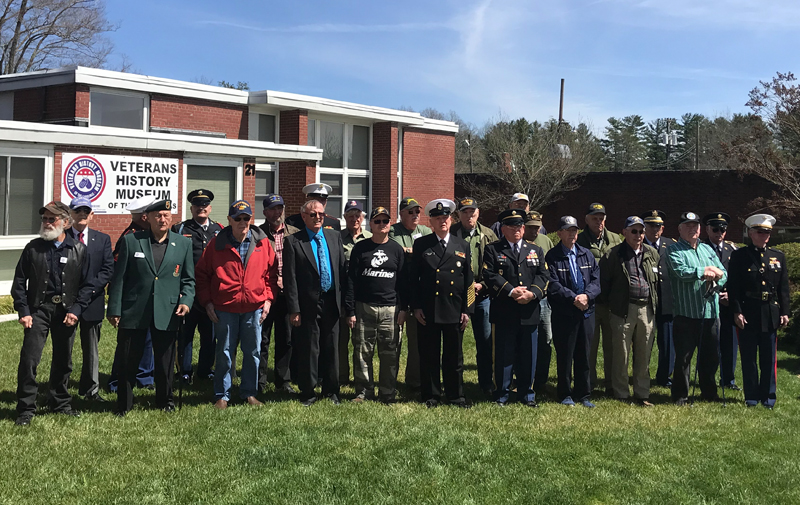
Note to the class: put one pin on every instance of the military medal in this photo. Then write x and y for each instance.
(458, 263)
(177, 271)
(461, 255)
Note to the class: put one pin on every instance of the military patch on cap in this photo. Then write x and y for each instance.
(467, 201)
(439, 206)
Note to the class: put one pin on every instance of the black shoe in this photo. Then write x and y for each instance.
(387, 400)
(462, 404)
(500, 403)
(680, 402)
(308, 401)
(69, 411)
(334, 398)
(531, 404)
(24, 419)
(95, 398)
(732, 387)
(187, 379)
(488, 393)
(432, 403)
(286, 387)
(169, 409)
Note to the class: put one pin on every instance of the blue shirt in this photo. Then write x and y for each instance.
(572, 255)
(243, 246)
(312, 235)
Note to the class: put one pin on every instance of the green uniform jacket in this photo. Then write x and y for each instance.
(615, 279)
(140, 295)
(599, 248)
(487, 237)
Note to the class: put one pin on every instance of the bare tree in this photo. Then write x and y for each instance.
(541, 160)
(37, 34)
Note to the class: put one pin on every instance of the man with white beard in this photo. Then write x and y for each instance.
(50, 291)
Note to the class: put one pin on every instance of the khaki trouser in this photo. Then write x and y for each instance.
(375, 325)
(602, 324)
(635, 331)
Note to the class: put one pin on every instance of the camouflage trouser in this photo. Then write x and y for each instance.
(375, 325)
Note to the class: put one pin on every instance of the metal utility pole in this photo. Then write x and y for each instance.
(697, 147)
(668, 144)
(561, 105)
(468, 140)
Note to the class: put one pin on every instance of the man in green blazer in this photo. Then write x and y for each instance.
(152, 288)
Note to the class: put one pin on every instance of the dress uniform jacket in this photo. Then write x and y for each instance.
(502, 272)
(758, 286)
(442, 278)
(140, 294)
(200, 238)
(560, 293)
(724, 258)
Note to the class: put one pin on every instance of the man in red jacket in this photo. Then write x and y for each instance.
(236, 281)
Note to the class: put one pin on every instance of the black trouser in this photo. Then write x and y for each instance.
(131, 344)
(316, 348)
(571, 338)
(443, 340)
(197, 318)
(48, 317)
(728, 344)
(763, 345)
(703, 335)
(90, 369)
(279, 318)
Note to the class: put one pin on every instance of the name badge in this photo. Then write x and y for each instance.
(138, 255)
(416, 236)
(655, 269)
(63, 259)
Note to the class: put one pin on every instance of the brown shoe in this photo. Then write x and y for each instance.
(253, 401)
(221, 404)
(645, 403)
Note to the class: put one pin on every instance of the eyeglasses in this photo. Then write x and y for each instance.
(636, 231)
(244, 218)
(380, 221)
(415, 210)
(50, 220)
(718, 229)
(760, 231)
(316, 215)
(82, 210)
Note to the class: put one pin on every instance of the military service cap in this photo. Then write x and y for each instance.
(717, 219)
(762, 221)
(654, 216)
(200, 197)
(534, 218)
(512, 217)
(440, 207)
(159, 205)
(317, 189)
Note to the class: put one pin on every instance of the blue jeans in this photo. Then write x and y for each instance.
(482, 330)
(232, 329)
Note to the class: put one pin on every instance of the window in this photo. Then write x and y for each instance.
(7, 106)
(117, 110)
(219, 180)
(265, 182)
(266, 128)
(20, 207)
(345, 164)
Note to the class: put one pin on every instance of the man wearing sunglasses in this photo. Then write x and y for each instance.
(629, 279)
(375, 290)
(200, 229)
(716, 225)
(236, 278)
(100, 270)
(318, 192)
(759, 300)
(51, 289)
(405, 233)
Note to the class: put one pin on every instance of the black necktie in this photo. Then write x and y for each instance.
(515, 248)
(444, 244)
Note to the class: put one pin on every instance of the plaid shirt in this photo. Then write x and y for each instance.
(279, 247)
(243, 246)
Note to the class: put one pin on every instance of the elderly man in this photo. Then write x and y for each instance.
(629, 279)
(152, 289)
(313, 273)
(318, 192)
(517, 277)
(716, 225)
(695, 273)
(440, 268)
(236, 277)
(759, 299)
(405, 233)
(653, 236)
(574, 286)
(50, 290)
(598, 240)
(200, 229)
(375, 289)
(544, 353)
(144, 377)
(276, 231)
(100, 270)
(478, 237)
(519, 201)
(351, 235)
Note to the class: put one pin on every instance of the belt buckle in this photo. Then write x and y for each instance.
(764, 296)
(56, 298)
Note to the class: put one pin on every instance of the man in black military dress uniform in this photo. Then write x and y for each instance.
(716, 227)
(515, 274)
(200, 229)
(758, 287)
(318, 192)
(442, 273)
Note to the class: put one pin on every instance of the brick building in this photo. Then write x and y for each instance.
(115, 136)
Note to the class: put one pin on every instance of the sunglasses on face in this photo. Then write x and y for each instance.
(244, 218)
(635, 231)
(381, 221)
(50, 220)
(763, 232)
(718, 229)
(414, 211)
(316, 215)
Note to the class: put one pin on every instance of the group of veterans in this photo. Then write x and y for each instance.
(320, 288)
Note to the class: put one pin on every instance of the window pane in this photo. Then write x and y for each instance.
(312, 132)
(3, 189)
(357, 187)
(25, 198)
(265, 184)
(219, 180)
(359, 148)
(331, 143)
(266, 128)
(334, 207)
(7, 106)
(119, 111)
(334, 181)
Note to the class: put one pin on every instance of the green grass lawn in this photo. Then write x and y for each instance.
(404, 453)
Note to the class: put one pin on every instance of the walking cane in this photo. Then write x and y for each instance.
(180, 377)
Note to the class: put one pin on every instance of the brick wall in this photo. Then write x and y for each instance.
(114, 224)
(249, 184)
(81, 100)
(428, 166)
(384, 166)
(293, 175)
(51, 104)
(200, 115)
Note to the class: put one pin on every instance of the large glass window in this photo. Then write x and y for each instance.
(359, 148)
(265, 184)
(7, 106)
(332, 144)
(266, 128)
(219, 180)
(117, 110)
(21, 186)
(334, 205)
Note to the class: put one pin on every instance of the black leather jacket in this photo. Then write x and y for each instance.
(30, 278)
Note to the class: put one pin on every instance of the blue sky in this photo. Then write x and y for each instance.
(483, 59)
